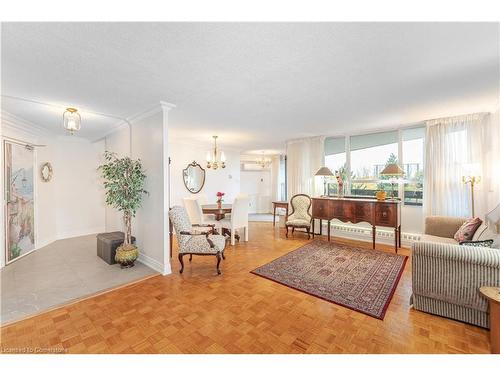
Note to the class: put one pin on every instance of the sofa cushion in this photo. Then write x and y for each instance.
(467, 230)
(479, 231)
(437, 239)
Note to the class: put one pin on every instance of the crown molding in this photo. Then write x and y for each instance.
(17, 123)
(162, 106)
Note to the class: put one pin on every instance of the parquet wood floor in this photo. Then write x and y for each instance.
(237, 312)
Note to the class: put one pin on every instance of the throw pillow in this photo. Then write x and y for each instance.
(467, 230)
(484, 243)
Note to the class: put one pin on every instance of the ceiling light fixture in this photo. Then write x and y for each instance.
(72, 120)
(214, 160)
(264, 163)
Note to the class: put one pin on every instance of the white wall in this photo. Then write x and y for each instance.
(118, 142)
(150, 226)
(257, 184)
(226, 180)
(78, 188)
(72, 203)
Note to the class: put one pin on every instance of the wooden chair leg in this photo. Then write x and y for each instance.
(308, 234)
(286, 231)
(182, 263)
(190, 257)
(293, 231)
(223, 256)
(218, 255)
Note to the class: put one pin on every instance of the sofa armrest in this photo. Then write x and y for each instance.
(454, 273)
(443, 226)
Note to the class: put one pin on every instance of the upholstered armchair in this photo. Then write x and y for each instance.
(195, 239)
(300, 216)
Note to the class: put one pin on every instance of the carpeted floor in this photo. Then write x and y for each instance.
(360, 279)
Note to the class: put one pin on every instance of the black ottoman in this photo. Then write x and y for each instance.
(107, 243)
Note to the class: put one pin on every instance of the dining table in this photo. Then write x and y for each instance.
(219, 213)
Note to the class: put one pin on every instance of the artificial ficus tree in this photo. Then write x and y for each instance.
(124, 185)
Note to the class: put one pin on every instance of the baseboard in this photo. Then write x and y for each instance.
(79, 233)
(164, 269)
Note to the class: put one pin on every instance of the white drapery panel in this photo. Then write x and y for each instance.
(304, 158)
(275, 174)
(452, 144)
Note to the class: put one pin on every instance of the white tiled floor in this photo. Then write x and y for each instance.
(58, 273)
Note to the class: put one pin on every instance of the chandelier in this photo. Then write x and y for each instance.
(71, 120)
(214, 159)
(264, 163)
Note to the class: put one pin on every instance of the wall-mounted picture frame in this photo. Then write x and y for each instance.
(46, 172)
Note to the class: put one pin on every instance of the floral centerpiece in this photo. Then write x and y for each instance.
(220, 199)
(340, 181)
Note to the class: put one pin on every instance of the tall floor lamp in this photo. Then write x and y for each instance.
(471, 178)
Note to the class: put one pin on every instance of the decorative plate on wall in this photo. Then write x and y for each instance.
(46, 172)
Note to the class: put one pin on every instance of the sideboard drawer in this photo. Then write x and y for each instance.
(321, 209)
(386, 215)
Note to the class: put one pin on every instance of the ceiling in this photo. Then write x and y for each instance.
(253, 84)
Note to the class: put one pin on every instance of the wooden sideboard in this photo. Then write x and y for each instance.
(377, 213)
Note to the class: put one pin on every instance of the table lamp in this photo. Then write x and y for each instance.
(325, 172)
(392, 170)
(471, 176)
(493, 219)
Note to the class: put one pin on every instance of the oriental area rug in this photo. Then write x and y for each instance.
(360, 279)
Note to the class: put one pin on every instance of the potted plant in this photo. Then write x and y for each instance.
(124, 185)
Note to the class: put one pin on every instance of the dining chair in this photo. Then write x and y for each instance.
(238, 219)
(195, 213)
(192, 242)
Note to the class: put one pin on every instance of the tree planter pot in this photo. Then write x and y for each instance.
(126, 255)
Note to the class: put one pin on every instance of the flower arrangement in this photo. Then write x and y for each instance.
(340, 181)
(220, 198)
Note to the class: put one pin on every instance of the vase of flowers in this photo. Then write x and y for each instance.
(340, 181)
(220, 199)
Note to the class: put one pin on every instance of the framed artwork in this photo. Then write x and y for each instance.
(20, 207)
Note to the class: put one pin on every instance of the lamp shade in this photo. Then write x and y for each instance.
(392, 170)
(324, 171)
(493, 219)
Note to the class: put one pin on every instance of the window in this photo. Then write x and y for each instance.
(413, 165)
(335, 159)
(367, 156)
(370, 153)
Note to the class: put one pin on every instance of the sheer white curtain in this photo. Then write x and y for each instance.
(304, 158)
(275, 174)
(451, 144)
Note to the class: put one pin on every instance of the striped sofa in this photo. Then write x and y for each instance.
(446, 277)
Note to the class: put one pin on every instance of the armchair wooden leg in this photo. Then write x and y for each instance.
(308, 234)
(293, 231)
(182, 263)
(218, 255)
(286, 231)
(223, 256)
(190, 257)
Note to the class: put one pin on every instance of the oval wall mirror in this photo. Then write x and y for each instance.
(194, 177)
